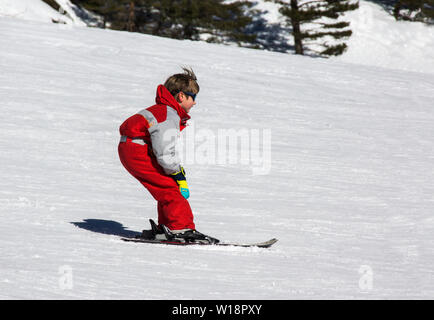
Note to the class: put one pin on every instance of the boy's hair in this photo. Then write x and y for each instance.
(185, 82)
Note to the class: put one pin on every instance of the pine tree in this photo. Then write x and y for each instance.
(131, 24)
(229, 22)
(315, 22)
(187, 19)
(180, 19)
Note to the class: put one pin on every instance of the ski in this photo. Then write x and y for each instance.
(265, 244)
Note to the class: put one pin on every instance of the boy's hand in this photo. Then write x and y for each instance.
(182, 182)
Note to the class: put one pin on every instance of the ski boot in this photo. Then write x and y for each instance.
(156, 232)
(188, 235)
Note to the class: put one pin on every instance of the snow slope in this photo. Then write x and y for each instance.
(349, 193)
(379, 40)
(37, 10)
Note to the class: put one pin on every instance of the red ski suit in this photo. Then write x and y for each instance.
(149, 155)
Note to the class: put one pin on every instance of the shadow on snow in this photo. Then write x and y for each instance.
(106, 227)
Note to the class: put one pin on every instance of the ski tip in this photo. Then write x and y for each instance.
(268, 243)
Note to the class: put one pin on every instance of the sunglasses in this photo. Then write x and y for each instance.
(190, 94)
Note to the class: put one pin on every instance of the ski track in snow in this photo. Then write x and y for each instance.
(351, 182)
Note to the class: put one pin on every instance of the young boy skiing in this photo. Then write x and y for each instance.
(147, 150)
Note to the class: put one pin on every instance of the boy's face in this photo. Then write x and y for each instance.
(186, 102)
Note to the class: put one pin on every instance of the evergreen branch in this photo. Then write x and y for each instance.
(335, 35)
(309, 2)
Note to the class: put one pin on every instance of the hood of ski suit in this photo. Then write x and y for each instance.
(165, 97)
(137, 125)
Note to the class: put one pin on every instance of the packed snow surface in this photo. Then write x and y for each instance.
(349, 193)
